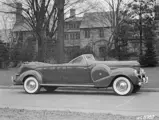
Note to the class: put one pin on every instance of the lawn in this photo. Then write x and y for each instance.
(15, 114)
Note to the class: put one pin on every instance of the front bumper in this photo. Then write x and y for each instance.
(141, 76)
(143, 80)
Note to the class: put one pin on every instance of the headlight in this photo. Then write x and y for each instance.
(142, 71)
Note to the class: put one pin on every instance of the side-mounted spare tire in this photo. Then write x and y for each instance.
(100, 71)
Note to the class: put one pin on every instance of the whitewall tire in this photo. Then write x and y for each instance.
(31, 85)
(122, 86)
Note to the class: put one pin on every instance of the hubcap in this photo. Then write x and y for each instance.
(31, 85)
(122, 86)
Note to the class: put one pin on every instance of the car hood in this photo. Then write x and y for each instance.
(115, 64)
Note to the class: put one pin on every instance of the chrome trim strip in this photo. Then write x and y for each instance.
(68, 85)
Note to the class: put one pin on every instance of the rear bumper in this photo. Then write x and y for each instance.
(15, 80)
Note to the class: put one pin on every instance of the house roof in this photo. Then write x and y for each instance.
(73, 19)
(89, 20)
(95, 20)
(21, 26)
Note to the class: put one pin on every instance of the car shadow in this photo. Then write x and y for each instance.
(79, 92)
(74, 92)
(71, 92)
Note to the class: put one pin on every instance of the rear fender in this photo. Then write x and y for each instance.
(31, 73)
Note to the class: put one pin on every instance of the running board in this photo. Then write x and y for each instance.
(67, 85)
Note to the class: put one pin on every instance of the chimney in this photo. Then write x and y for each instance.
(72, 13)
(19, 16)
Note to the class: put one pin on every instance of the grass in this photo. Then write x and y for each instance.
(22, 114)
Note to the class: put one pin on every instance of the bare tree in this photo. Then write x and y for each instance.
(42, 17)
(112, 16)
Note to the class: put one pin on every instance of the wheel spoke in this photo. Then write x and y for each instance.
(31, 85)
(122, 86)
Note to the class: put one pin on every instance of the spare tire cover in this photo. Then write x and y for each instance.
(100, 71)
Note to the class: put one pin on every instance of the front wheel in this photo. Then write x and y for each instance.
(31, 85)
(122, 86)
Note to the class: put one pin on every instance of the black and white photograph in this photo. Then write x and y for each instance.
(79, 59)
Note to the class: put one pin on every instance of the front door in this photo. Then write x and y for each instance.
(77, 74)
(52, 74)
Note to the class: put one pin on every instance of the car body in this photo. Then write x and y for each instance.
(83, 71)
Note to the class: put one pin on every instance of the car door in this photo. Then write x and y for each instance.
(77, 73)
(52, 74)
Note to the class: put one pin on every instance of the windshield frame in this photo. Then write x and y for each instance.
(82, 63)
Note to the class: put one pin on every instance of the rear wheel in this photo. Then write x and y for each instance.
(136, 88)
(122, 86)
(31, 85)
(50, 88)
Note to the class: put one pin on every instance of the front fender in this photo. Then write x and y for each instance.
(34, 73)
(106, 81)
(128, 72)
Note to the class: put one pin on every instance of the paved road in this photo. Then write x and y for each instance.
(145, 103)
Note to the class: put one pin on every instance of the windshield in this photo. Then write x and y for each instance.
(90, 57)
(78, 60)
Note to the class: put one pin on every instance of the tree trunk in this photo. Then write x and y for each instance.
(40, 55)
(60, 6)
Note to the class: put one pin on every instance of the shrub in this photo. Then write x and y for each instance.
(149, 59)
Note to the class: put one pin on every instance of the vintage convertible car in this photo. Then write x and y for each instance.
(125, 77)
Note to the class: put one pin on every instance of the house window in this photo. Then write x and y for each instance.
(70, 26)
(72, 36)
(78, 25)
(74, 25)
(66, 36)
(21, 36)
(101, 33)
(77, 35)
(87, 33)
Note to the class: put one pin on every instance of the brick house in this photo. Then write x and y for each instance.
(95, 30)
(72, 30)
